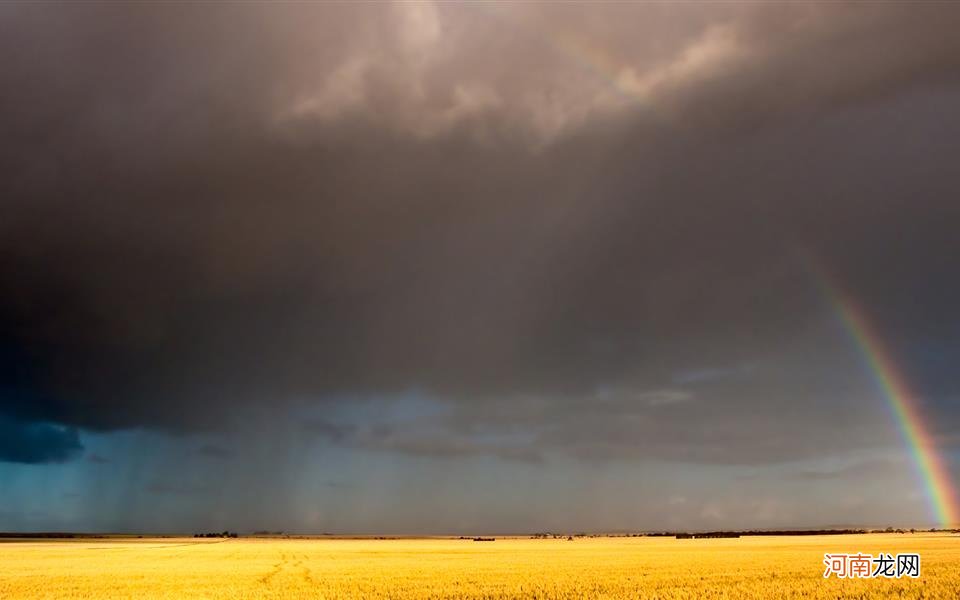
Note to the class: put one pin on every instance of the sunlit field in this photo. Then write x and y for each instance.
(749, 567)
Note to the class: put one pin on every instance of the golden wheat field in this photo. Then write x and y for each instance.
(749, 567)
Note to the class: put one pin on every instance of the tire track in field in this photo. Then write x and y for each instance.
(290, 566)
(277, 568)
(305, 571)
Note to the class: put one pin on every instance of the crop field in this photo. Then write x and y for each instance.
(748, 567)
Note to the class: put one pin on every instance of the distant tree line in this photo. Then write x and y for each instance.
(683, 535)
(47, 535)
(222, 534)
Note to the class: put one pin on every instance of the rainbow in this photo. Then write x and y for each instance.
(903, 404)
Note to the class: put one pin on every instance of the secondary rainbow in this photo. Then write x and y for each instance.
(902, 402)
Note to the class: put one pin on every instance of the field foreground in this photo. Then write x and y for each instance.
(749, 567)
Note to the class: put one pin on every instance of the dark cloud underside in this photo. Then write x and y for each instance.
(221, 208)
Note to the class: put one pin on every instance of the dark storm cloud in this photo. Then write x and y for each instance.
(426, 438)
(212, 208)
(775, 416)
(33, 443)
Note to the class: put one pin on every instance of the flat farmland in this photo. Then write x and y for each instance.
(615, 567)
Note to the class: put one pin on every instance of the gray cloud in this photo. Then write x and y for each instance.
(176, 489)
(217, 208)
(97, 459)
(217, 452)
(37, 442)
(859, 470)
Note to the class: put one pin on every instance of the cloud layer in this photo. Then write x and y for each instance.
(569, 226)
(31, 443)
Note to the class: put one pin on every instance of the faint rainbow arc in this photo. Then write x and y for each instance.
(902, 402)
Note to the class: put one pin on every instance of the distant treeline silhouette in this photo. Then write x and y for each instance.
(541, 535)
(49, 535)
(736, 534)
(222, 534)
(684, 535)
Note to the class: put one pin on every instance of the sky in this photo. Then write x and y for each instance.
(486, 267)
